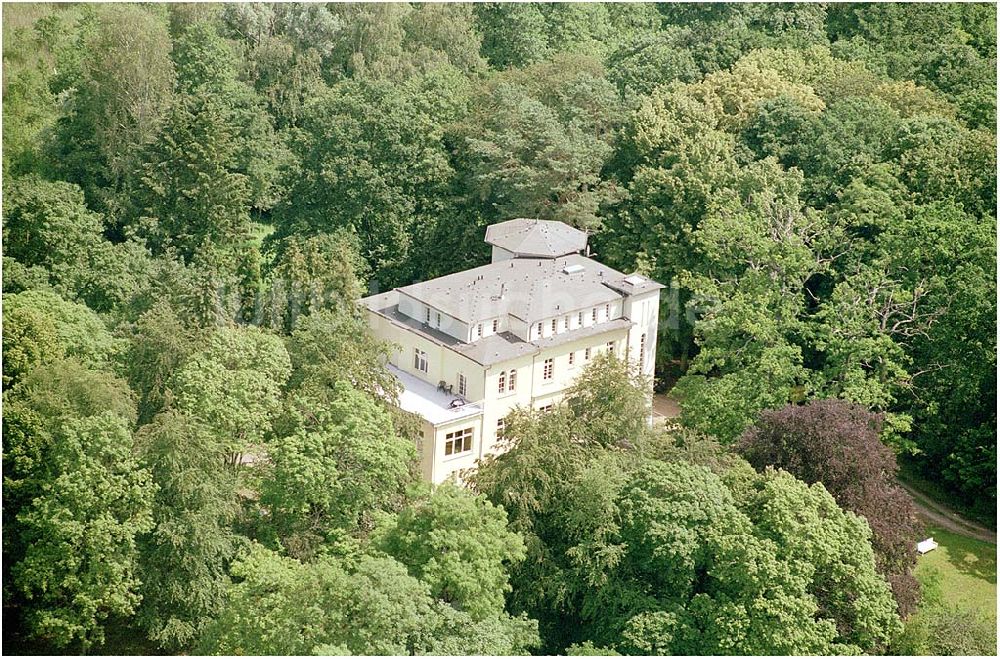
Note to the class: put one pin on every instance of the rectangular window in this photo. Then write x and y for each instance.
(593, 315)
(539, 330)
(479, 330)
(512, 383)
(579, 319)
(438, 320)
(462, 385)
(500, 425)
(642, 351)
(572, 358)
(546, 408)
(496, 325)
(547, 369)
(502, 382)
(586, 355)
(607, 312)
(458, 442)
(427, 315)
(419, 360)
(566, 323)
(611, 346)
(554, 325)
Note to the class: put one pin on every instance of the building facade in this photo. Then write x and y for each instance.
(473, 345)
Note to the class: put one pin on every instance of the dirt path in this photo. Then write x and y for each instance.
(940, 515)
(665, 407)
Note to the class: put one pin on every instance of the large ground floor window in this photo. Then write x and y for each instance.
(457, 442)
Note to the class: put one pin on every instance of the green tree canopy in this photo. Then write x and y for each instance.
(361, 605)
(185, 554)
(234, 386)
(459, 545)
(339, 463)
(80, 562)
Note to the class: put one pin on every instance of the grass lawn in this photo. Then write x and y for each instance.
(962, 572)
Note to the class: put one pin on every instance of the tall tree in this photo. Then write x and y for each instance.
(335, 467)
(185, 555)
(80, 562)
(536, 141)
(233, 385)
(460, 546)
(121, 81)
(359, 605)
(373, 163)
(837, 444)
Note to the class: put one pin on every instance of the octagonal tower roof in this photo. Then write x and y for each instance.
(536, 238)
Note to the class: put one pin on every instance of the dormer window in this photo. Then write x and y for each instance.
(438, 320)
(427, 316)
(607, 312)
(496, 325)
(554, 322)
(479, 330)
(539, 330)
(593, 315)
(579, 319)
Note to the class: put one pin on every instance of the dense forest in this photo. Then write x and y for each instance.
(201, 447)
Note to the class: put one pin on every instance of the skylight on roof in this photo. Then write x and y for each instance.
(570, 269)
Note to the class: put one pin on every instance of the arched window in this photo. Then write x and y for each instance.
(502, 382)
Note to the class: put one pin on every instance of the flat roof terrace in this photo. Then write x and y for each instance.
(431, 403)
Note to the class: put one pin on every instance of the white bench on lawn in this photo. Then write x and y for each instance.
(927, 545)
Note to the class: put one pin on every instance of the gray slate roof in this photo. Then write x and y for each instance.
(533, 289)
(488, 350)
(544, 238)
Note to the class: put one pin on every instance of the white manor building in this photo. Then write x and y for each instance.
(473, 345)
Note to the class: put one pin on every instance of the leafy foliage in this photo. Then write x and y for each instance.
(185, 556)
(837, 444)
(363, 605)
(195, 197)
(234, 386)
(460, 546)
(80, 562)
(338, 463)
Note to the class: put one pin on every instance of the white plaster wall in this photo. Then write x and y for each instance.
(531, 392)
(644, 312)
(442, 362)
(442, 466)
(418, 311)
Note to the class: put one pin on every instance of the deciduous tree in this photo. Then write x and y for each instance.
(837, 443)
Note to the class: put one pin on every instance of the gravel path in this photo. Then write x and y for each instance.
(940, 515)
